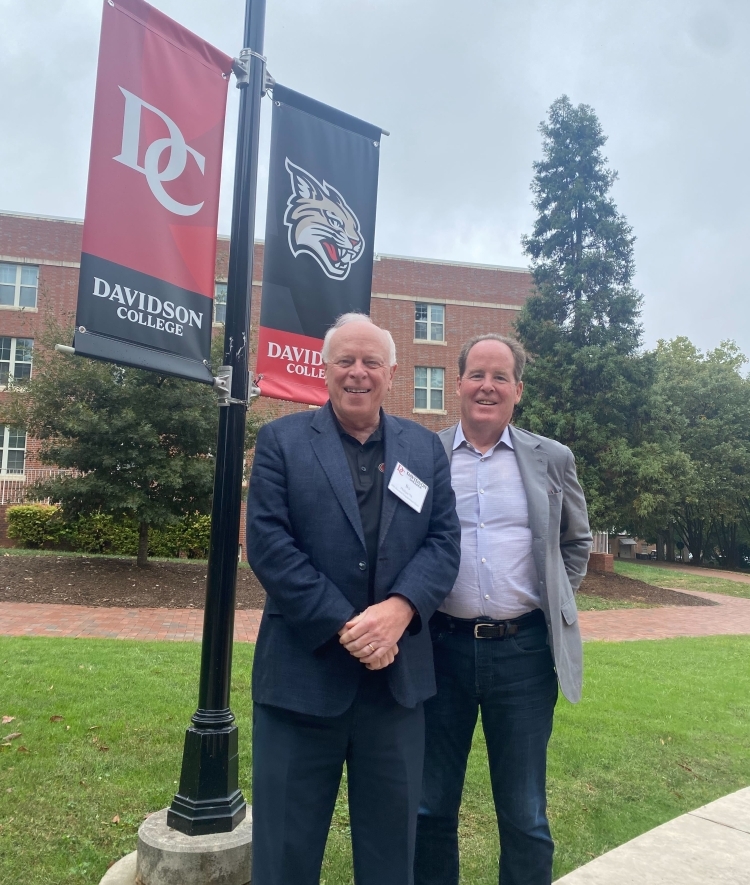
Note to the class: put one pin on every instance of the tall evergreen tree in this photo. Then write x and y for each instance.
(587, 385)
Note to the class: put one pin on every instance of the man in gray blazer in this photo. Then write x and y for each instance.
(353, 532)
(508, 630)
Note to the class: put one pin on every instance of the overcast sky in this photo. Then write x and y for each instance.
(462, 87)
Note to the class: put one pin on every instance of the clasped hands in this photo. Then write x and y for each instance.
(372, 635)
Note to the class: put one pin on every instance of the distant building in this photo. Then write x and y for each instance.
(431, 307)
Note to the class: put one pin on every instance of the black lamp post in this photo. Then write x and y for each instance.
(209, 799)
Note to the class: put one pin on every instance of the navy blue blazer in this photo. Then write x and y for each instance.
(306, 545)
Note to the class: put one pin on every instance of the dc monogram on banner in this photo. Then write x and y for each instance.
(175, 144)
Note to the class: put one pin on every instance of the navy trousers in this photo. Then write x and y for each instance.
(297, 765)
(513, 682)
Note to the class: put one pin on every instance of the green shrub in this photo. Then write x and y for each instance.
(36, 525)
(195, 535)
(42, 525)
(101, 533)
(189, 535)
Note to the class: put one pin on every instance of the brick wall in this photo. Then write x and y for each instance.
(45, 239)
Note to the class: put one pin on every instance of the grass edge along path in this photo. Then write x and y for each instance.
(679, 580)
(663, 728)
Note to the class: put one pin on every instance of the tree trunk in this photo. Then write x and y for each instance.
(661, 542)
(670, 544)
(143, 545)
(727, 539)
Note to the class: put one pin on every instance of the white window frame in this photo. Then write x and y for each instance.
(430, 322)
(18, 286)
(217, 303)
(432, 387)
(12, 364)
(6, 449)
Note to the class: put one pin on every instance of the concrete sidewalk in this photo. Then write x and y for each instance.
(706, 846)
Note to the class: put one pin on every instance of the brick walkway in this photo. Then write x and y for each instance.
(730, 617)
(156, 624)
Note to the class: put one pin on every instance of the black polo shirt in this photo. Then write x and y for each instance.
(367, 467)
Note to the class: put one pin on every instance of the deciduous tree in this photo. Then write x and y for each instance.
(705, 400)
(142, 444)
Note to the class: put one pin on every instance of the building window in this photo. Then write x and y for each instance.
(429, 322)
(13, 450)
(15, 359)
(428, 388)
(220, 302)
(18, 285)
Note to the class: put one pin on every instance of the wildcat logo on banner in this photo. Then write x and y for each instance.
(145, 295)
(321, 224)
(320, 229)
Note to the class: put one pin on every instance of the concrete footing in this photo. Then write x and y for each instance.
(123, 872)
(168, 857)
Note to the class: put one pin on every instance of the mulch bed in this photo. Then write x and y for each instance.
(79, 580)
(612, 586)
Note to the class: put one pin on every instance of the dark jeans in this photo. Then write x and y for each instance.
(297, 765)
(514, 684)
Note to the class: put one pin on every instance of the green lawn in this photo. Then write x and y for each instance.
(587, 603)
(667, 577)
(75, 554)
(663, 727)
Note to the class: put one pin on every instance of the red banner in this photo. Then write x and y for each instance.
(149, 238)
(290, 367)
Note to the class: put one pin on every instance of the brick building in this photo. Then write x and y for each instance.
(431, 308)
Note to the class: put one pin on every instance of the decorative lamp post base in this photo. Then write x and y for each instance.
(209, 799)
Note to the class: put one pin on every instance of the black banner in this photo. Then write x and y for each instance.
(320, 228)
(130, 311)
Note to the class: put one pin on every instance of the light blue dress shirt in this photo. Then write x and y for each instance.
(497, 577)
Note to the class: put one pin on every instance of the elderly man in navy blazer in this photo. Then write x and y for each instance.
(508, 631)
(352, 530)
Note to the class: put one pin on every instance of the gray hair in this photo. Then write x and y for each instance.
(516, 348)
(355, 317)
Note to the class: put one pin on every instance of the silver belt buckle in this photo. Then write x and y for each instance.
(477, 628)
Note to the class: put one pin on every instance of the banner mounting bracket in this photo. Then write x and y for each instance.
(241, 70)
(223, 387)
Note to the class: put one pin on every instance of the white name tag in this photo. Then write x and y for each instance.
(408, 487)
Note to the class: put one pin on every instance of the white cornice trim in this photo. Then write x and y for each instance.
(441, 261)
(455, 301)
(57, 218)
(49, 262)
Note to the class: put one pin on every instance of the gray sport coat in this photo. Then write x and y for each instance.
(561, 541)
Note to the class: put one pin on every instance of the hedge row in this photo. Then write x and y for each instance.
(43, 526)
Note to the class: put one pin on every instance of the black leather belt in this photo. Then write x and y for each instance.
(486, 628)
